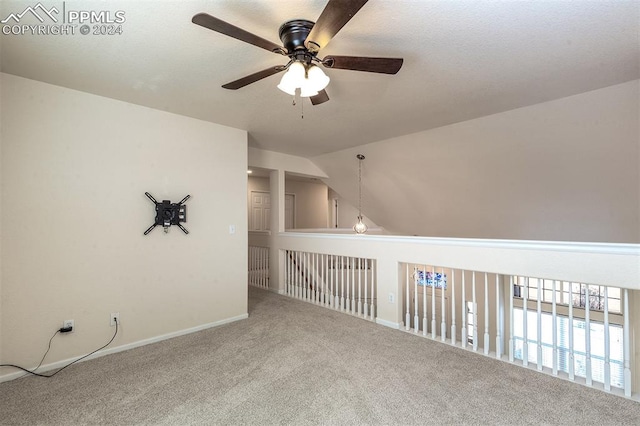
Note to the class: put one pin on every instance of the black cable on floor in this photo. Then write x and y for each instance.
(62, 368)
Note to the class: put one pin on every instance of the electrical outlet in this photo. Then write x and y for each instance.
(69, 323)
(115, 316)
(392, 298)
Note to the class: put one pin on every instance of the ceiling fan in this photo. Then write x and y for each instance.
(302, 40)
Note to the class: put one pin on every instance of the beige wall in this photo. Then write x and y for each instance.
(74, 171)
(311, 203)
(310, 200)
(568, 169)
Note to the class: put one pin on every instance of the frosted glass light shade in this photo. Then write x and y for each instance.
(360, 227)
(293, 78)
(317, 79)
(310, 81)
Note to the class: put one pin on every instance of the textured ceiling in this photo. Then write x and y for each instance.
(463, 59)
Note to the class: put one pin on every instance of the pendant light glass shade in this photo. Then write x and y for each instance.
(360, 227)
(309, 80)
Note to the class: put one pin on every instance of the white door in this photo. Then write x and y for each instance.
(260, 215)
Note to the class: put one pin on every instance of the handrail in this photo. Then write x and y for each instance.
(586, 262)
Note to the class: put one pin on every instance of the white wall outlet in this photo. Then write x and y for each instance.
(115, 316)
(392, 298)
(232, 229)
(69, 323)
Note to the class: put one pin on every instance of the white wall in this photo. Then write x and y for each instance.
(561, 170)
(74, 171)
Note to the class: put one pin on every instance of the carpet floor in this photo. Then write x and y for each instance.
(295, 363)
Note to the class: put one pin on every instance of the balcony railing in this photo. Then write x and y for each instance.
(560, 308)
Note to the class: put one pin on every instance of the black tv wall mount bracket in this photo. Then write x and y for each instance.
(168, 213)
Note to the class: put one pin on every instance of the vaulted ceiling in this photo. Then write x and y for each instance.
(462, 59)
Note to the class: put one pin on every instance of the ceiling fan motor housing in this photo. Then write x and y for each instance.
(293, 34)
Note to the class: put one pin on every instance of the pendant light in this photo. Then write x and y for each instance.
(360, 227)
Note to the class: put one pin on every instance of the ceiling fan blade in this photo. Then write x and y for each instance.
(244, 81)
(334, 16)
(217, 25)
(320, 98)
(363, 63)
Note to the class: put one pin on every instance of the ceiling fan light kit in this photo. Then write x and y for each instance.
(309, 79)
(302, 40)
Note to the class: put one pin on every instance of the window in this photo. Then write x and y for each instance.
(578, 293)
(597, 340)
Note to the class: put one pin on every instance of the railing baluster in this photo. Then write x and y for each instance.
(511, 348)
(407, 316)
(627, 350)
(571, 354)
(293, 273)
(262, 268)
(336, 284)
(525, 314)
(331, 270)
(374, 280)
(475, 311)
(539, 324)
(607, 343)
(318, 275)
(453, 307)
(366, 285)
(359, 307)
(315, 277)
(554, 319)
(443, 323)
(304, 275)
(463, 314)
(342, 283)
(424, 302)
(301, 285)
(587, 335)
(433, 302)
(354, 302)
(321, 276)
(348, 284)
(499, 324)
(416, 318)
(290, 274)
(486, 314)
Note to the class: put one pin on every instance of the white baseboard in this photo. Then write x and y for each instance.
(394, 325)
(126, 347)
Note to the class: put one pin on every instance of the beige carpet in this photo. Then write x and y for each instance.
(295, 363)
